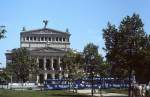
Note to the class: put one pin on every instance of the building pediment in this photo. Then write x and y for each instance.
(48, 50)
(45, 31)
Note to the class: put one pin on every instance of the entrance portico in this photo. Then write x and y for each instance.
(48, 63)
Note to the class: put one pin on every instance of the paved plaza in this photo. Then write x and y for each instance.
(103, 94)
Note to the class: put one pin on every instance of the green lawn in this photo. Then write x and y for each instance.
(29, 93)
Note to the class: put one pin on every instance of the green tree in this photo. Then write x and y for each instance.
(124, 45)
(93, 61)
(72, 65)
(4, 77)
(23, 65)
(2, 32)
(92, 58)
(104, 69)
(142, 71)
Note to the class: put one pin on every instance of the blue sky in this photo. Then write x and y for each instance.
(84, 18)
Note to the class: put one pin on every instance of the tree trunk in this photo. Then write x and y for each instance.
(130, 74)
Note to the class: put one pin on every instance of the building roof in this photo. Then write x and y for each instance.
(47, 30)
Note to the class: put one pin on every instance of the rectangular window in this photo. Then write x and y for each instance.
(41, 65)
(45, 38)
(42, 38)
(34, 38)
(50, 38)
(56, 38)
(27, 38)
(30, 38)
(63, 39)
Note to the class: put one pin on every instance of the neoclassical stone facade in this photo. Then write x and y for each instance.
(48, 46)
(45, 38)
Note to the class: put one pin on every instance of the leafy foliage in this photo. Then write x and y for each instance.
(22, 64)
(104, 69)
(72, 63)
(2, 32)
(92, 59)
(124, 46)
(4, 77)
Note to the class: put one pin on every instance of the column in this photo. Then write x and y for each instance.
(37, 77)
(59, 64)
(60, 74)
(44, 63)
(45, 76)
(37, 61)
(53, 77)
(45, 73)
(52, 67)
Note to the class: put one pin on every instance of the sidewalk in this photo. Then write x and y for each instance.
(103, 94)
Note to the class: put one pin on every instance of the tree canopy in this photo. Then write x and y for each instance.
(92, 58)
(22, 64)
(72, 63)
(124, 46)
(2, 32)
